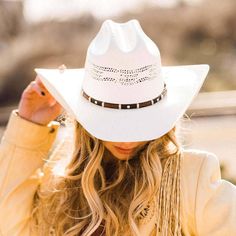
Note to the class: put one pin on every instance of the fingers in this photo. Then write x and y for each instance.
(32, 88)
(41, 86)
(38, 86)
(35, 87)
(57, 108)
(40, 83)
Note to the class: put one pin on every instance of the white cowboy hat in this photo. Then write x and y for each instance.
(124, 94)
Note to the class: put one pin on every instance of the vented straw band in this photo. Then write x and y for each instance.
(126, 106)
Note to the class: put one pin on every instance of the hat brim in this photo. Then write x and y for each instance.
(147, 123)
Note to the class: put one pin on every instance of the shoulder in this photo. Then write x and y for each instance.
(197, 168)
(196, 159)
(198, 165)
(197, 153)
(191, 164)
(205, 193)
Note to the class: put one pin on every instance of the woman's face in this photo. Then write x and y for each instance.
(125, 150)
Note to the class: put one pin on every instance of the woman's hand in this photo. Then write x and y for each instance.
(37, 104)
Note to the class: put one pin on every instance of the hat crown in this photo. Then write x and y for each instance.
(123, 65)
(125, 37)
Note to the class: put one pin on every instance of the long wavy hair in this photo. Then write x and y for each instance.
(81, 194)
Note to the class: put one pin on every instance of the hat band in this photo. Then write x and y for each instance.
(126, 106)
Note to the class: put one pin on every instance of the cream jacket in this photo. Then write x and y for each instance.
(209, 201)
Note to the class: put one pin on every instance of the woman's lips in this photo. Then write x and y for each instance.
(124, 150)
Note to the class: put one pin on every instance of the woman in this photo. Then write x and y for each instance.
(123, 172)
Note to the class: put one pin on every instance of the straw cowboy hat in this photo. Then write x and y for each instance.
(123, 93)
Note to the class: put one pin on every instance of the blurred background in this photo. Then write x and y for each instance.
(49, 33)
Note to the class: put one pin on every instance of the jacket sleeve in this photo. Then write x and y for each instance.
(215, 205)
(23, 149)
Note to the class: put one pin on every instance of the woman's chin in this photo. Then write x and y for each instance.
(122, 156)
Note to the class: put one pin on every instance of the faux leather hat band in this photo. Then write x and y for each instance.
(126, 106)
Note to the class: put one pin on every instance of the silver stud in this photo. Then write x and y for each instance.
(128, 106)
(102, 104)
(152, 102)
(95, 102)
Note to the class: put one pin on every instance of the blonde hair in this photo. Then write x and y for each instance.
(88, 199)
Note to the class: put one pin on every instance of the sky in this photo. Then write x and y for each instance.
(35, 10)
